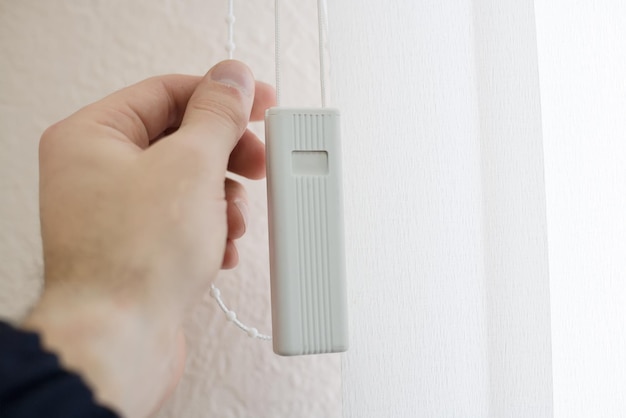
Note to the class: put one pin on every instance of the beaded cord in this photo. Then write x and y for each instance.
(215, 292)
(230, 48)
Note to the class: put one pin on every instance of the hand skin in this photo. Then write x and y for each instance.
(137, 221)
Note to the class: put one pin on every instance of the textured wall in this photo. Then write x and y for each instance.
(56, 56)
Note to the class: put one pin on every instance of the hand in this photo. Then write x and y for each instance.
(137, 218)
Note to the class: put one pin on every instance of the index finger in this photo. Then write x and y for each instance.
(264, 98)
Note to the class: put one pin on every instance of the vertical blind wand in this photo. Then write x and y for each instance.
(305, 211)
(305, 218)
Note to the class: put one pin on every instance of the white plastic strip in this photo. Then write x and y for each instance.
(277, 48)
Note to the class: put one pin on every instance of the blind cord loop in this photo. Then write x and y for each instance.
(215, 292)
(230, 48)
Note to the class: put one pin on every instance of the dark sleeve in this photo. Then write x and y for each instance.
(33, 383)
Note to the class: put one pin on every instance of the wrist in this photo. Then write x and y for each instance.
(124, 357)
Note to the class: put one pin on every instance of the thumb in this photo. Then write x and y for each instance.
(218, 111)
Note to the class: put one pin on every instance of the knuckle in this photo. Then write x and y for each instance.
(50, 132)
(227, 112)
(50, 136)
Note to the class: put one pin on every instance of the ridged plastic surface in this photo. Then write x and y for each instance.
(306, 232)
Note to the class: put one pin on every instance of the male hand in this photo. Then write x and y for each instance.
(137, 218)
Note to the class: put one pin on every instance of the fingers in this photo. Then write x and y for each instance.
(218, 112)
(248, 157)
(141, 112)
(236, 208)
(152, 108)
(237, 219)
(264, 98)
(231, 256)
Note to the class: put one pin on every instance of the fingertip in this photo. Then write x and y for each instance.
(237, 218)
(219, 110)
(264, 98)
(235, 74)
(231, 256)
(248, 157)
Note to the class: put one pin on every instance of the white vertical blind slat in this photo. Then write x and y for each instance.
(449, 294)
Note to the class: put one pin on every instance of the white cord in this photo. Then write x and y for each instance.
(230, 20)
(215, 292)
(321, 34)
(232, 316)
(277, 48)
